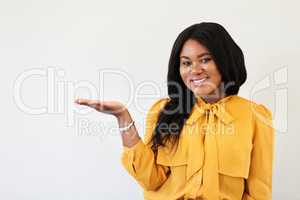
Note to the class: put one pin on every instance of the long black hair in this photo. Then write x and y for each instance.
(230, 63)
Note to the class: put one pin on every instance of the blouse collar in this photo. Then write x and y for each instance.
(211, 109)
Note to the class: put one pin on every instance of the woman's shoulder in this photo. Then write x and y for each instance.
(254, 107)
(152, 117)
(158, 104)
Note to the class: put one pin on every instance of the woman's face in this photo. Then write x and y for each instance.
(198, 69)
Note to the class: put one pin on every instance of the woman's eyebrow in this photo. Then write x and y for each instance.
(199, 56)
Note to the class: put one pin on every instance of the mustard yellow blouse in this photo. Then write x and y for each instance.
(225, 151)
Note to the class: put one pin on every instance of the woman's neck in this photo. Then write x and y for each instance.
(213, 97)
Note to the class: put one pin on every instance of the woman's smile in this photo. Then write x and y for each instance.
(198, 81)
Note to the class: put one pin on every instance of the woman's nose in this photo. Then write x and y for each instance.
(196, 67)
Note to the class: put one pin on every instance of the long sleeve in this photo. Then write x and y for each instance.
(139, 160)
(259, 182)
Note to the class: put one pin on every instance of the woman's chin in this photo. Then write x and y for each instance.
(203, 91)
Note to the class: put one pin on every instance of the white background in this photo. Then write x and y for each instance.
(45, 156)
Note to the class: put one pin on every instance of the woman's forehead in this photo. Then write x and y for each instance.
(193, 48)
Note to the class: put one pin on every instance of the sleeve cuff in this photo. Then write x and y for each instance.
(129, 154)
(138, 145)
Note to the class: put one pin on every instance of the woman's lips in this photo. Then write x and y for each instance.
(198, 82)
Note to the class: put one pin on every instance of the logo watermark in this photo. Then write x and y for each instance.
(61, 94)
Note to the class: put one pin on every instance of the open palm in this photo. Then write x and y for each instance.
(109, 107)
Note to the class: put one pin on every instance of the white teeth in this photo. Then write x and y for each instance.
(199, 81)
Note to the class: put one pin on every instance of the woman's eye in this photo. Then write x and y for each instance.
(186, 63)
(205, 60)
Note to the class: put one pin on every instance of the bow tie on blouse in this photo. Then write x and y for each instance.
(215, 116)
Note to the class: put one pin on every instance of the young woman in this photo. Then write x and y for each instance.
(203, 141)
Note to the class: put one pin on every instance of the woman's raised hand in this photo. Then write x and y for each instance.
(110, 107)
(118, 110)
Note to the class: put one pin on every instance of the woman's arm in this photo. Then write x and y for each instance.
(259, 182)
(137, 157)
(130, 137)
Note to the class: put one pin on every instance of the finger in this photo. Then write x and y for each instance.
(94, 104)
(82, 101)
(88, 102)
